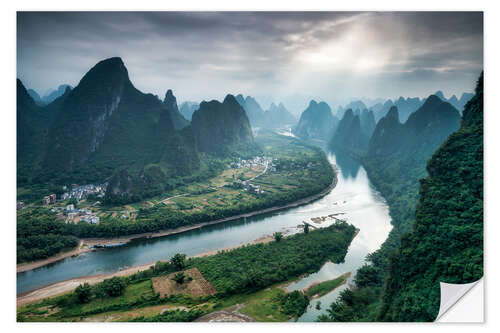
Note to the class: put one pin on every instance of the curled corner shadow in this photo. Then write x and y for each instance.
(451, 293)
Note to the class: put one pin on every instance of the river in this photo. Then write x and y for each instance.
(354, 196)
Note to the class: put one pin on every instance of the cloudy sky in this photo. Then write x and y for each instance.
(276, 56)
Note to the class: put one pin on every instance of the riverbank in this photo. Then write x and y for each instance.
(312, 249)
(86, 243)
(66, 286)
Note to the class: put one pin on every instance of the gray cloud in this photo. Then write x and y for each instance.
(274, 55)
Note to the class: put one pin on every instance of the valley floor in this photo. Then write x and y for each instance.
(85, 244)
(290, 183)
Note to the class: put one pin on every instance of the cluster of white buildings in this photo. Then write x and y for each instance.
(249, 187)
(74, 215)
(83, 191)
(288, 165)
(258, 160)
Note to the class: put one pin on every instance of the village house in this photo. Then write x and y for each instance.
(49, 199)
(71, 217)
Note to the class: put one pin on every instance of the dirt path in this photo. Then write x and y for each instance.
(230, 314)
(175, 196)
(260, 174)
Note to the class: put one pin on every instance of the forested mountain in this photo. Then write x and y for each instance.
(36, 98)
(349, 135)
(275, 117)
(33, 123)
(368, 123)
(406, 106)
(446, 244)
(107, 130)
(106, 123)
(254, 111)
(30, 125)
(459, 104)
(316, 122)
(385, 138)
(355, 105)
(422, 133)
(463, 101)
(52, 95)
(395, 162)
(381, 109)
(222, 127)
(171, 105)
(278, 116)
(187, 109)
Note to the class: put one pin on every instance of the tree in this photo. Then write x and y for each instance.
(83, 292)
(277, 236)
(368, 275)
(112, 287)
(294, 303)
(306, 228)
(179, 261)
(179, 277)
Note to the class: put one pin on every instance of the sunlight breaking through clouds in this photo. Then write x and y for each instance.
(270, 55)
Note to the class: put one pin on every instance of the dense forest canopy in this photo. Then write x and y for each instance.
(438, 221)
(446, 244)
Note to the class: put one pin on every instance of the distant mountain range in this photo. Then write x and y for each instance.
(188, 108)
(50, 96)
(406, 106)
(421, 133)
(316, 122)
(277, 116)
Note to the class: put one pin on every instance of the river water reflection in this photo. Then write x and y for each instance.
(354, 196)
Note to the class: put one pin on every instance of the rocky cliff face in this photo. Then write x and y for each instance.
(221, 127)
(386, 136)
(316, 122)
(170, 103)
(84, 119)
(105, 124)
(349, 136)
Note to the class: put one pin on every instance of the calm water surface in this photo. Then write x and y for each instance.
(354, 196)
